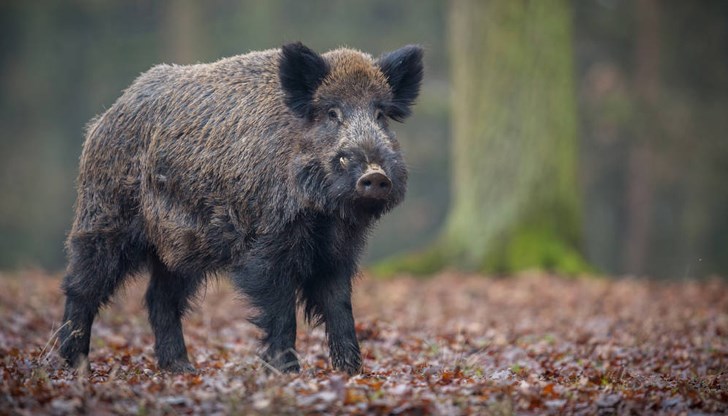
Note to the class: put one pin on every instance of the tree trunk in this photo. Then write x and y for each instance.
(516, 199)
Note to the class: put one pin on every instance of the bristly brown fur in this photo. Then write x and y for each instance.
(247, 165)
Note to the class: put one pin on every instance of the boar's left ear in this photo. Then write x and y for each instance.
(301, 71)
(403, 69)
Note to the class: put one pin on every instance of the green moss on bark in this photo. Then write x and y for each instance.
(421, 263)
(516, 202)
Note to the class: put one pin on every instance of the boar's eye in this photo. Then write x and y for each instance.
(379, 114)
(334, 114)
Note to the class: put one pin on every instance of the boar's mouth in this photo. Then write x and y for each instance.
(335, 192)
(365, 209)
(353, 207)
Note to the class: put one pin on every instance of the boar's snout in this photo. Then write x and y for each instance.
(374, 183)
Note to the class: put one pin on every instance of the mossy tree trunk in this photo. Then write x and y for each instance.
(516, 199)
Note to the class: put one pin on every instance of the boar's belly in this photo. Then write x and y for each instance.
(200, 237)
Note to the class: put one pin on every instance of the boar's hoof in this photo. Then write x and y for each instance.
(351, 369)
(290, 367)
(80, 363)
(348, 362)
(179, 367)
(285, 362)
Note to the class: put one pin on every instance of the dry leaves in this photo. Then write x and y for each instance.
(450, 345)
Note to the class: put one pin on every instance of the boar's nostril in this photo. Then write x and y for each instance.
(373, 184)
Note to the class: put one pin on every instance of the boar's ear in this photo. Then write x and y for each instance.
(301, 71)
(403, 69)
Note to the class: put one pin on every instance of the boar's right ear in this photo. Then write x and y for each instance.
(301, 71)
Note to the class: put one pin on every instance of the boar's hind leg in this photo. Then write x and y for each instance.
(97, 266)
(269, 287)
(167, 300)
(328, 300)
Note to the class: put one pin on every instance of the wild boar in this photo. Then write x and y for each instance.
(269, 167)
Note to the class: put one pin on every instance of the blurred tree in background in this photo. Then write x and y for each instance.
(653, 94)
(516, 203)
(633, 174)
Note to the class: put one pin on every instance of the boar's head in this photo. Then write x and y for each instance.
(347, 160)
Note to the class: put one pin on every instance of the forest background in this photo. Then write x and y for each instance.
(645, 86)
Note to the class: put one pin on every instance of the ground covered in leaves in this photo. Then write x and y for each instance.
(452, 344)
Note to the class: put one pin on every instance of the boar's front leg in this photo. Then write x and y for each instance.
(328, 301)
(269, 285)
